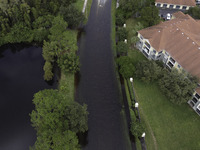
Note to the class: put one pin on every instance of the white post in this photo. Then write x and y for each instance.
(131, 79)
(124, 26)
(143, 134)
(125, 41)
(136, 105)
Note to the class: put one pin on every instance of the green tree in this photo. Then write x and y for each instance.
(150, 16)
(122, 34)
(57, 119)
(19, 33)
(122, 48)
(48, 74)
(177, 87)
(69, 63)
(126, 67)
(120, 20)
(72, 16)
(134, 38)
(148, 71)
(194, 12)
(136, 128)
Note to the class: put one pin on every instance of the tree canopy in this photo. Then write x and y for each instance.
(177, 87)
(126, 67)
(57, 119)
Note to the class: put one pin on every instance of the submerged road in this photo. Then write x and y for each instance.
(98, 86)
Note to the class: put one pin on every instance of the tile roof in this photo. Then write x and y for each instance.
(180, 37)
(179, 2)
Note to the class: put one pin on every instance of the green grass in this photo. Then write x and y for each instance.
(174, 127)
(66, 85)
(113, 34)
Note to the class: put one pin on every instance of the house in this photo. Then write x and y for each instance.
(177, 44)
(176, 4)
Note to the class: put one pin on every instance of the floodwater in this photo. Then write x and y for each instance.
(21, 75)
(97, 84)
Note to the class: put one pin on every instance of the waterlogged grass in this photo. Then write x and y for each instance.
(113, 34)
(79, 5)
(66, 84)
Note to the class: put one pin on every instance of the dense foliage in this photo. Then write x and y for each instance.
(126, 67)
(147, 71)
(177, 87)
(149, 14)
(194, 12)
(122, 48)
(137, 128)
(41, 20)
(57, 119)
(122, 34)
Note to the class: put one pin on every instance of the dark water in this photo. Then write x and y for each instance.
(98, 86)
(21, 75)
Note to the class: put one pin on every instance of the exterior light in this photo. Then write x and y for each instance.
(131, 79)
(143, 134)
(124, 25)
(136, 105)
(125, 41)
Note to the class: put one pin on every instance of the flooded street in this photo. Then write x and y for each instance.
(98, 86)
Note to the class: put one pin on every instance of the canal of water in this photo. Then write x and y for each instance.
(97, 85)
(21, 75)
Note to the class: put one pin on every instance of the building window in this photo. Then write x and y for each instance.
(194, 100)
(171, 6)
(177, 7)
(184, 7)
(147, 44)
(158, 4)
(165, 5)
(170, 64)
(154, 51)
(197, 96)
(179, 66)
(172, 60)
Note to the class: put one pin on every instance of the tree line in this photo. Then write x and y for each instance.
(177, 86)
(47, 22)
(57, 118)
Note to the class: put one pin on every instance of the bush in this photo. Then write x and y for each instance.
(68, 63)
(120, 20)
(122, 34)
(122, 48)
(147, 71)
(126, 67)
(136, 129)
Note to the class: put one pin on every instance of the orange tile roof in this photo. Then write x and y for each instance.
(198, 90)
(179, 2)
(180, 37)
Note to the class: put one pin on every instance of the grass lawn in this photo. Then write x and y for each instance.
(174, 127)
(168, 126)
